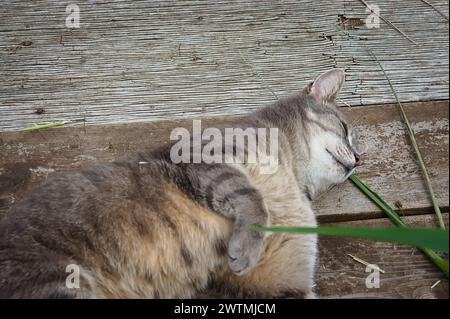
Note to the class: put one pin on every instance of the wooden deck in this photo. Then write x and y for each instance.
(27, 158)
(136, 69)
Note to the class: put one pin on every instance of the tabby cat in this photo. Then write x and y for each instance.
(147, 227)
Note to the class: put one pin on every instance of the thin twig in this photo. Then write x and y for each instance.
(387, 21)
(414, 145)
(436, 9)
(345, 103)
(435, 284)
(365, 263)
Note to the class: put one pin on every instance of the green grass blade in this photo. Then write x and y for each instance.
(436, 239)
(44, 126)
(378, 200)
(437, 260)
(412, 137)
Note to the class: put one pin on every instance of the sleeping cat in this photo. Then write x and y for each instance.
(147, 227)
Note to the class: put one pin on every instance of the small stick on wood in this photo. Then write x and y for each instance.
(436, 9)
(365, 263)
(387, 21)
(435, 284)
(345, 103)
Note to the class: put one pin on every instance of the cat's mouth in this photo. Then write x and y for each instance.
(337, 160)
(349, 170)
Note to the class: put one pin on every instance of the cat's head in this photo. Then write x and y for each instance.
(333, 147)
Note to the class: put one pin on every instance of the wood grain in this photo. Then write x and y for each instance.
(155, 60)
(389, 166)
(408, 273)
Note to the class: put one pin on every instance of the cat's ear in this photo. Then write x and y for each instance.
(327, 86)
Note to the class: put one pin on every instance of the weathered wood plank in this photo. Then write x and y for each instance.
(389, 166)
(408, 272)
(154, 60)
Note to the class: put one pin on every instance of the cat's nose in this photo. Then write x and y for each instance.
(357, 160)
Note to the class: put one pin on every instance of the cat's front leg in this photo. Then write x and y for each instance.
(228, 191)
(245, 247)
(287, 265)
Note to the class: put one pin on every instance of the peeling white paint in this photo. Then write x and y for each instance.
(83, 157)
(41, 171)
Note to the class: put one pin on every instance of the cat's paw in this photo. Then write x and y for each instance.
(244, 251)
